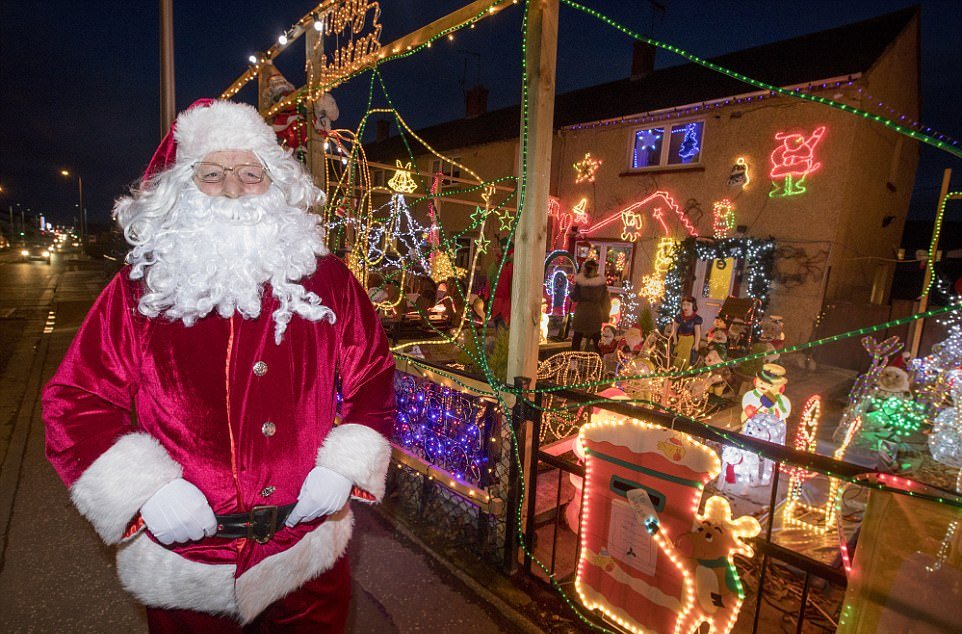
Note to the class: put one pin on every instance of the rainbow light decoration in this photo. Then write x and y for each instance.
(793, 161)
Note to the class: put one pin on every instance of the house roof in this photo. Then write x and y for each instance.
(838, 52)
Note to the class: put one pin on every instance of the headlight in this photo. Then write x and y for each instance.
(24, 253)
(45, 254)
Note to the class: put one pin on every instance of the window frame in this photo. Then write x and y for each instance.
(447, 168)
(602, 246)
(663, 163)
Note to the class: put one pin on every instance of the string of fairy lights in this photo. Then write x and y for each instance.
(499, 389)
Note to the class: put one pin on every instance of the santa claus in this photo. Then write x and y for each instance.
(228, 392)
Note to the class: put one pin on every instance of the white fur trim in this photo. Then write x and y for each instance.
(160, 578)
(221, 126)
(112, 489)
(277, 576)
(358, 453)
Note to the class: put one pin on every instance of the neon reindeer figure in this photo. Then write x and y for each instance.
(793, 160)
(712, 591)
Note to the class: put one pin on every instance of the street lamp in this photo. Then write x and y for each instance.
(83, 211)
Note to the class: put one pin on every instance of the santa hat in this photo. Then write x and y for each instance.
(208, 126)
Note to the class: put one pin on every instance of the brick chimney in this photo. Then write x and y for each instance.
(642, 59)
(475, 102)
(383, 130)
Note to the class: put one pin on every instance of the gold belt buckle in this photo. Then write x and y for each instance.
(271, 523)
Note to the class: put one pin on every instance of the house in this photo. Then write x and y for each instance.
(687, 177)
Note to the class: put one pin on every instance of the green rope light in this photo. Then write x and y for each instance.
(935, 240)
(757, 355)
(918, 136)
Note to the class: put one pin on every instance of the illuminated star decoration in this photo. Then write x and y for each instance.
(505, 220)
(402, 182)
(483, 243)
(478, 216)
(579, 211)
(586, 168)
(648, 138)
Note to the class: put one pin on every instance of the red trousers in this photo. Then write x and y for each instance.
(319, 606)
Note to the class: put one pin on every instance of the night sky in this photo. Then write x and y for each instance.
(80, 79)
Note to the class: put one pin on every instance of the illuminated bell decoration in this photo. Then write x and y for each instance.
(586, 168)
(648, 560)
(402, 182)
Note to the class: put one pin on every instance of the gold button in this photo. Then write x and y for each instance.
(268, 429)
(260, 368)
(268, 491)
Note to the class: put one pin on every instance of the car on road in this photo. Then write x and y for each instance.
(35, 251)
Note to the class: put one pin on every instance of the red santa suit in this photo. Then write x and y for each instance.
(139, 402)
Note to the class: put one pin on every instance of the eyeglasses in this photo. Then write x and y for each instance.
(216, 173)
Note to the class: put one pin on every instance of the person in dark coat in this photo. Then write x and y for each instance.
(592, 305)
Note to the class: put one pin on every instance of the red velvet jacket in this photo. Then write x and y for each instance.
(138, 402)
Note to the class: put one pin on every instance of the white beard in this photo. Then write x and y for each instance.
(216, 253)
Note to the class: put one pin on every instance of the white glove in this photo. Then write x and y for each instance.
(179, 512)
(323, 492)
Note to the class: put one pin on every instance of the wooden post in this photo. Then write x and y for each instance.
(167, 107)
(917, 326)
(529, 246)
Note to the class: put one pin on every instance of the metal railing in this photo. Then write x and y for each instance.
(769, 550)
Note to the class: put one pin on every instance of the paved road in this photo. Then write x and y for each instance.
(55, 574)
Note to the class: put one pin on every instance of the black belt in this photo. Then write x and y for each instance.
(259, 524)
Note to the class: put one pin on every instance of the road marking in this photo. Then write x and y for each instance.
(51, 321)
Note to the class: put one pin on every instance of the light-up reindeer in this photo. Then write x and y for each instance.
(712, 591)
(881, 351)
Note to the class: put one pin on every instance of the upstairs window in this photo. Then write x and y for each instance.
(682, 146)
(446, 168)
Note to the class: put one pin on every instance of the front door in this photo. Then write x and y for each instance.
(714, 282)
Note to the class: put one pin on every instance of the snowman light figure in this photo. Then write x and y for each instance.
(764, 412)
